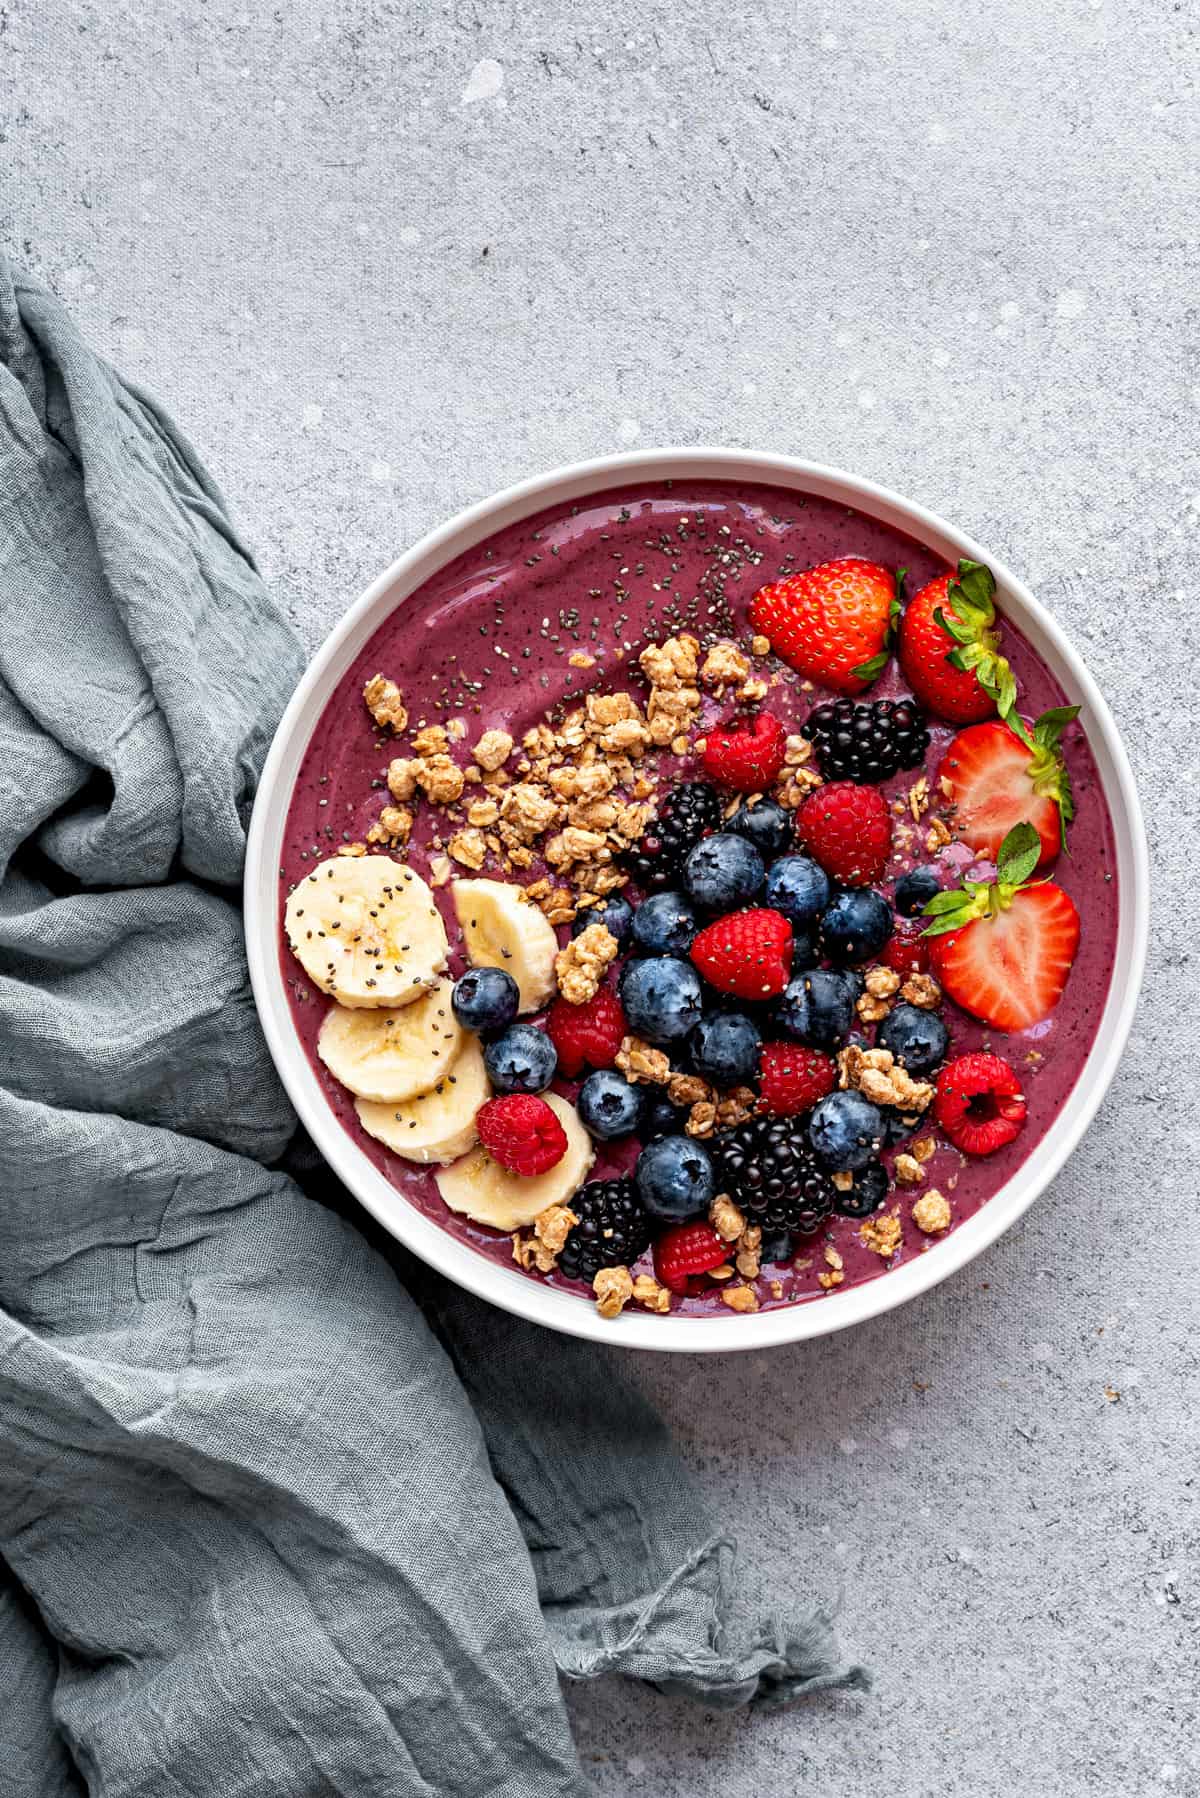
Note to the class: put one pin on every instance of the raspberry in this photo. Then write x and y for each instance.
(586, 1035)
(792, 1078)
(907, 949)
(847, 829)
(979, 1103)
(521, 1133)
(683, 1255)
(748, 758)
(749, 953)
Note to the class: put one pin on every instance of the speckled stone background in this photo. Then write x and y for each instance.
(381, 260)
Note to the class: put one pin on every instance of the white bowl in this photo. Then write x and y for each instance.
(509, 1288)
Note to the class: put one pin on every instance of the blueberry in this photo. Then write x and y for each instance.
(915, 889)
(665, 924)
(778, 1248)
(918, 1039)
(661, 1118)
(485, 1000)
(765, 824)
(867, 1193)
(661, 997)
(675, 1178)
(856, 925)
(846, 1130)
(798, 888)
(818, 1007)
(609, 1106)
(723, 871)
(523, 1060)
(724, 1048)
(614, 912)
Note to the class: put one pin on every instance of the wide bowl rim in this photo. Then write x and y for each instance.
(507, 1287)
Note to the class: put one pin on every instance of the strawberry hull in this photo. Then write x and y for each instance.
(643, 562)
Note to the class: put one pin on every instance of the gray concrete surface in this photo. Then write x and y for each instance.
(382, 260)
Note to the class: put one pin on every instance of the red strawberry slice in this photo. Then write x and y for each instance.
(831, 622)
(587, 1035)
(749, 953)
(746, 758)
(684, 1254)
(950, 648)
(1010, 969)
(1001, 949)
(979, 1104)
(997, 781)
(792, 1078)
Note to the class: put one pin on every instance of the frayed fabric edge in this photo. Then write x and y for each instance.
(679, 1639)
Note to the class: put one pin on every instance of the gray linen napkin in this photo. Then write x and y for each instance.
(268, 1524)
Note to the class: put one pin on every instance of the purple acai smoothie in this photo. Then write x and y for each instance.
(491, 639)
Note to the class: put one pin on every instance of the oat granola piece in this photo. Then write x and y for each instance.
(580, 967)
(739, 1298)
(879, 1077)
(493, 750)
(354, 849)
(670, 711)
(748, 1259)
(402, 778)
(909, 1171)
(760, 646)
(881, 1234)
(673, 663)
(724, 665)
(937, 836)
(648, 1292)
(440, 870)
(440, 779)
(385, 702)
(482, 812)
(613, 1287)
(701, 1119)
(541, 1249)
(923, 991)
(528, 810)
(931, 1212)
(881, 982)
(468, 847)
(726, 1219)
(925, 1148)
(579, 658)
(394, 825)
(689, 1089)
(639, 1061)
(432, 739)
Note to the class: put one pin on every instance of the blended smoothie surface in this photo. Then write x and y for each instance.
(489, 639)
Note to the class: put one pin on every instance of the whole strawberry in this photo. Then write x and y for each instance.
(746, 757)
(522, 1134)
(792, 1078)
(684, 1254)
(979, 1104)
(1002, 949)
(587, 1035)
(950, 647)
(832, 622)
(848, 829)
(748, 954)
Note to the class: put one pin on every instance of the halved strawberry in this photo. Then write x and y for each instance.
(1001, 949)
(998, 779)
(833, 623)
(949, 647)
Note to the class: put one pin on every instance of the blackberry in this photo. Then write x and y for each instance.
(613, 1230)
(867, 742)
(687, 813)
(770, 1172)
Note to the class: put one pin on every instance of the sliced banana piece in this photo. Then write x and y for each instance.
(366, 929)
(481, 1189)
(392, 1055)
(502, 930)
(438, 1125)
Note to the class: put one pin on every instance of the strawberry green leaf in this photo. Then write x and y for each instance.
(1019, 855)
(943, 902)
(1048, 729)
(871, 670)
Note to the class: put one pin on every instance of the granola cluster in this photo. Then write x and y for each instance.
(879, 1077)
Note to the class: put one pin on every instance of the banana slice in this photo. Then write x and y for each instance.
(481, 1189)
(438, 1125)
(391, 1056)
(365, 929)
(502, 930)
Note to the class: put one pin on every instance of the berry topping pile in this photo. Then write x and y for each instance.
(730, 1028)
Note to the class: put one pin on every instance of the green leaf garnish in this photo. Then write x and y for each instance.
(953, 909)
(971, 623)
(1019, 855)
(871, 669)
